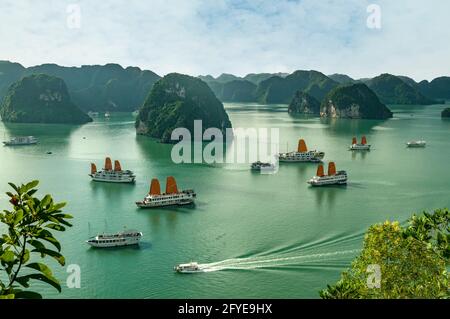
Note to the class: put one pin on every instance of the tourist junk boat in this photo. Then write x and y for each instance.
(110, 175)
(171, 197)
(416, 144)
(125, 238)
(301, 155)
(333, 177)
(21, 140)
(261, 166)
(191, 267)
(360, 147)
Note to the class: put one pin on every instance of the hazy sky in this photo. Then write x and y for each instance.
(231, 36)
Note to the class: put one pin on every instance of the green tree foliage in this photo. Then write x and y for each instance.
(412, 261)
(28, 239)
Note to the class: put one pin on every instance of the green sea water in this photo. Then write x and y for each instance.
(263, 236)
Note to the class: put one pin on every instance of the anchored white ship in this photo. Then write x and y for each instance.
(416, 144)
(110, 175)
(333, 177)
(171, 197)
(125, 238)
(191, 267)
(363, 146)
(21, 140)
(301, 155)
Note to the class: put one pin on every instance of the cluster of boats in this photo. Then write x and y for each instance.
(174, 197)
(155, 198)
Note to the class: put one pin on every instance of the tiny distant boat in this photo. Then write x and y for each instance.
(92, 114)
(363, 146)
(125, 238)
(171, 197)
(107, 114)
(110, 175)
(333, 177)
(301, 155)
(261, 166)
(191, 267)
(21, 140)
(416, 144)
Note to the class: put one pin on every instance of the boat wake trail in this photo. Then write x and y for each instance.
(274, 262)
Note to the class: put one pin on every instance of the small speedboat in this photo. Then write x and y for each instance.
(191, 267)
(261, 166)
(416, 144)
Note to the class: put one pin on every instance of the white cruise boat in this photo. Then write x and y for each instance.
(171, 197)
(125, 238)
(333, 177)
(301, 155)
(21, 140)
(416, 144)
(191, 267)
(363, 146)
(110, 175)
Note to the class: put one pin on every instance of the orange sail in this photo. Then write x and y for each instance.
(108, 164)
(155, 188)
(171, 185)
(93, 168)
(364, 140)
(117, 167)
(302, 146)
(331, 168)
(320, 172)
(354, 141)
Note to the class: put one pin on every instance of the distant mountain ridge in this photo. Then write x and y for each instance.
(107, 87)
(393, 89)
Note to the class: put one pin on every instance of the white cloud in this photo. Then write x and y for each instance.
(201, 37)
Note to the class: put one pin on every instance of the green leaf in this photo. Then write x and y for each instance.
(14, 187)
(36, 244)
(46, 200)
(57, 256)
(9, 296)
(30, 185)
(18, 217)
(45, 278)
(47, 236)
(8, 256)
(56, 227)
(40, 267)
(28, 295)
(23, 281)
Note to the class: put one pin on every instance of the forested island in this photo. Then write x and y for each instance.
(40, 98)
